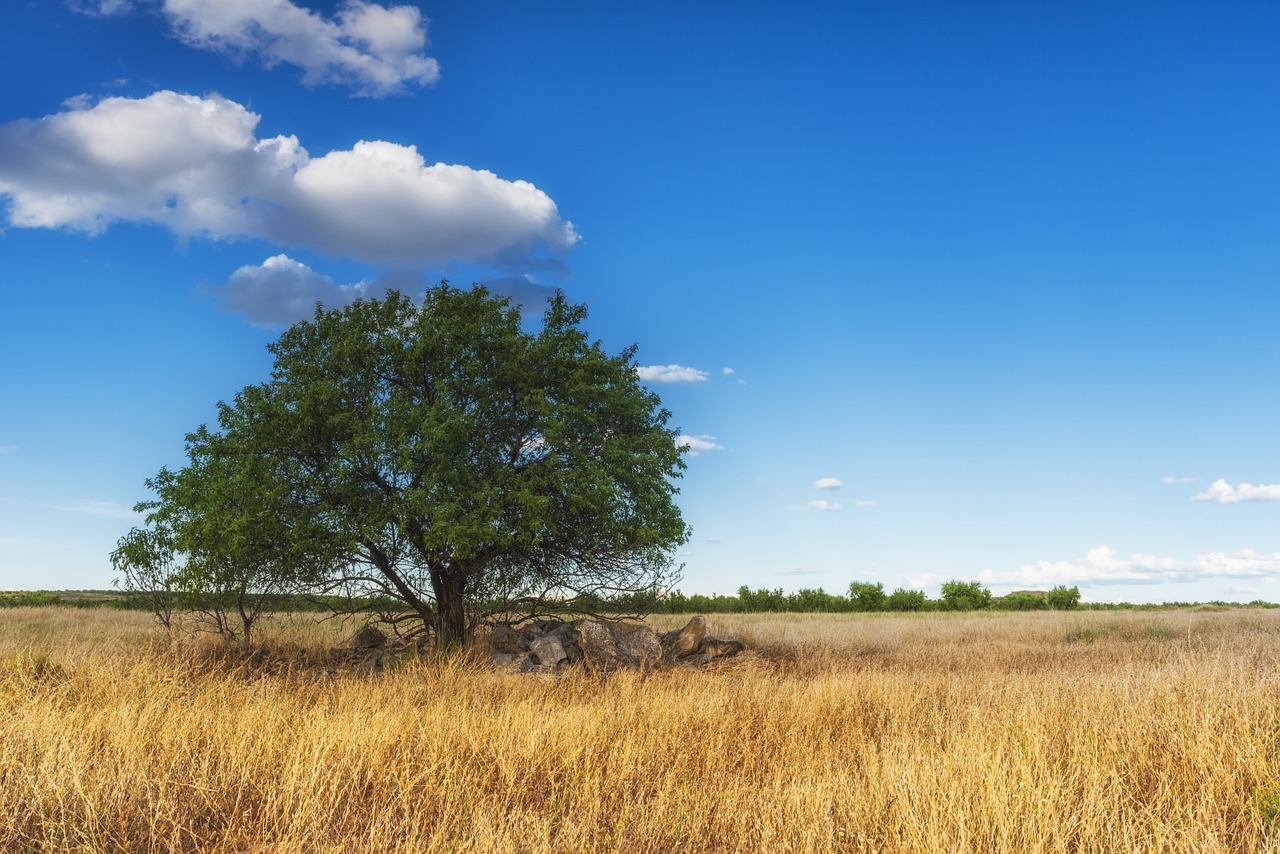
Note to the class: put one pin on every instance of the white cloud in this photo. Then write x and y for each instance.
(194, 165)
(713, 539)
(698, 444)
(1221, 492)
(866, 502)
(1171, 481)
(820, 504)
(726, 371)
(1102, 565)
(670, 374)
(827, 483)
(796, 570)
(7, 449)
(281, 291)
(373, 49)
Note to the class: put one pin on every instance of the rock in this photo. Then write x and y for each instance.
(547, 650)
(714, 648)
(504, 639)
(609, 646)
(686, 641)
(548, 646)
(368, 637)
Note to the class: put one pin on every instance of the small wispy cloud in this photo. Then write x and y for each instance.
(713, 539)
(1171, 481)
(828, 506)
(698, 444)
(866, 502)
(7, 449)
(1221, 492)
(827, 483)
(726, 371)
(671, 374)
(796, 570)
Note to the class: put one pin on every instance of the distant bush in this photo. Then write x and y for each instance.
(965, 596)
(1063, 598)
(866, 596)
(907, 600)
(28, 599)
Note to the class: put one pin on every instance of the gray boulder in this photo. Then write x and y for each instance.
(547, 650)
(610, 646)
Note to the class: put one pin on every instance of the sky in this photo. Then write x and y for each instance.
(932, 290)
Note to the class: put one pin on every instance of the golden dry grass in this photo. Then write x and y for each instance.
(994, 732)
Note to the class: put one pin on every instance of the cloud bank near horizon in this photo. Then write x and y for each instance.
(1103, 566)
(1221, 492)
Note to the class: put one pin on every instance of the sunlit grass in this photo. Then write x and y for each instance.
(1015, 732)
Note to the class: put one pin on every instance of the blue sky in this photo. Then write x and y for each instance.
(935, 290)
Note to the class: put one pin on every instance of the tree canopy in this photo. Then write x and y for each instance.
(440, 456)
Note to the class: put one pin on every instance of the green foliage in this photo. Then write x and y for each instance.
(437, 456)
(1022, 600)
(1063, 598)
(28, 599)
(965, 596)
(902, 599)
(867, 596)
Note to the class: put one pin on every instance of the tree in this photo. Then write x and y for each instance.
(1063, 598)
(903, 599)
(867, 596)
(439, 455)
(965, 596)
(221, 539)
(145, 562)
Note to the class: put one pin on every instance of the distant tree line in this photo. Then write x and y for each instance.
(862, 597)
(867, 597)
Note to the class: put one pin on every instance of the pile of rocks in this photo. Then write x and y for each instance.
(549, 647)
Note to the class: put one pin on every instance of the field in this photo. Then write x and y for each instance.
(935, 732)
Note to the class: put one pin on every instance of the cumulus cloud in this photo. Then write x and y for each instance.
(281, 291)
(827, 483)
(373, 49)
(1221, 492)
(1102, 565)
(698, 444)
(820, 504)
(726, 371)
(195, 166)
(671, 374)
(1171, 481)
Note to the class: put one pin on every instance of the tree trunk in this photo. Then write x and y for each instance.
(451, 613)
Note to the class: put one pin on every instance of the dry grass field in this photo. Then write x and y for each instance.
(987, 732)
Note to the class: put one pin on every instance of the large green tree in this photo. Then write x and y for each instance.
(439, 454)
